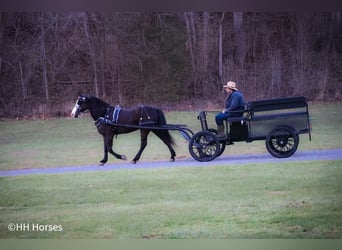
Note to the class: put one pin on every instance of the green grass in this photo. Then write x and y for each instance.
(278, 200)
(273, 200)
(68, 142)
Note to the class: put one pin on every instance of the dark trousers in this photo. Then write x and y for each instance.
(220, 117)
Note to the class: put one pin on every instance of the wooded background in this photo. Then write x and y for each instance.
(174, 60)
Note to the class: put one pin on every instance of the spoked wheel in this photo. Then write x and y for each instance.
(282, 142)
(222, 143)
(204, 146)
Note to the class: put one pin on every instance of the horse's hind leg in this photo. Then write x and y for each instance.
(143, 142)
(162, 134)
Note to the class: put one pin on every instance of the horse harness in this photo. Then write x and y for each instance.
(147, 121)
(113, 113)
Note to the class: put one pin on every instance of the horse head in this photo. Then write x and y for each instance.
(81, 105)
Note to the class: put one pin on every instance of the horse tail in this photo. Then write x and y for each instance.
(162, 121)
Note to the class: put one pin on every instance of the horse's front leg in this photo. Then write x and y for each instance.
(105, 151)
(110, 149)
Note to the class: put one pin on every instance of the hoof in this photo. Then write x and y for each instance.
(134, 162)
(101, 164)
(172, 159)
(123, 157)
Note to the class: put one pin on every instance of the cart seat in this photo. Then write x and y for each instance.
(239, 115)
(236, 119)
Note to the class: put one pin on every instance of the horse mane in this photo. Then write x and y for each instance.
(98, 101)
(97, 106)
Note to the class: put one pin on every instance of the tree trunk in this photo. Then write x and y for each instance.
(191, 37)
(22, 81)
(220, 54)
(240, 38)
(205, 42)
(276, 76)
(91, 53)
(44, 59)
(205, 54)
(102, 72)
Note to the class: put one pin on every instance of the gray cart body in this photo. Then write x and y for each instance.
(277, 121)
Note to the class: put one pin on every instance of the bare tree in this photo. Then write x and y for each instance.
(191, 37)
(240, 38)
(44, 57)
(92, 53)
(162, 57)
(220, 47)
(276, 73)
(205, 42)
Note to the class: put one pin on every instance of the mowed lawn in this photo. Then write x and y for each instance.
(270, 200)
(282, 200)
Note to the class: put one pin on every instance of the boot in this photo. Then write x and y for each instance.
(220, 132)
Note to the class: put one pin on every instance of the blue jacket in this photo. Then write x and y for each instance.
(235, 101)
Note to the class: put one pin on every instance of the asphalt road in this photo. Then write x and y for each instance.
(310, 155)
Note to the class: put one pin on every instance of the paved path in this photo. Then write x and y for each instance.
(310, 155)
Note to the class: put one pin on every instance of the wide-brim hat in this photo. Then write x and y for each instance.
(230, 85)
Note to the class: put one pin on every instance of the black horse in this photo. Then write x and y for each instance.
(130, 118)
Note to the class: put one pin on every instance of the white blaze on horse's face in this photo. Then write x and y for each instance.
(74, 112)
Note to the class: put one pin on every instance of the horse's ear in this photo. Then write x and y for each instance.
(81, 97)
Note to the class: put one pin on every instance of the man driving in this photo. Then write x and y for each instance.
(234, 102)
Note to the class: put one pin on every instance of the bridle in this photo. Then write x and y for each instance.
(76, 110)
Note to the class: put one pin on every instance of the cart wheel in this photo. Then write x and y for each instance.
(204, 146)
(282, 142)
(222, 143)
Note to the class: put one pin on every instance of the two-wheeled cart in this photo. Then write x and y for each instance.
(277, 121)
